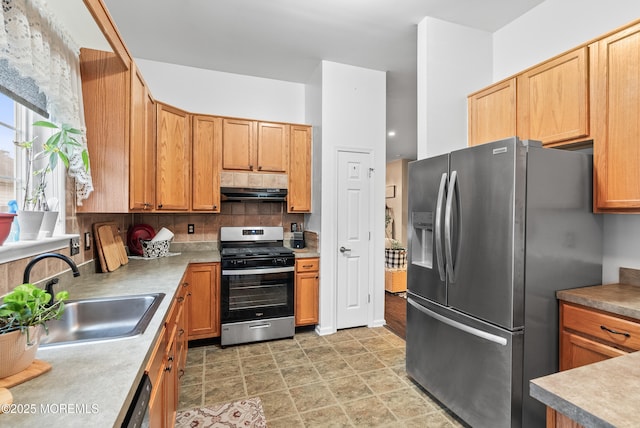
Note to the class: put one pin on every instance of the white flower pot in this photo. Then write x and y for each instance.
(30, 222)
(48, 224)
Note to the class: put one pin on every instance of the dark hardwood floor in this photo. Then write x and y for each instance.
(395, 313)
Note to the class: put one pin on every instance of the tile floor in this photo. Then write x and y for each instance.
(354, 378)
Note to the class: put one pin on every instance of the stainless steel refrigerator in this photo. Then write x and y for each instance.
(494, 231)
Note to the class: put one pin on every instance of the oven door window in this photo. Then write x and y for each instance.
(256, 296)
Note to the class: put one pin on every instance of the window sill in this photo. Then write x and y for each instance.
(11, 251)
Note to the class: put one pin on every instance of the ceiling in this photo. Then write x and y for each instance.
(286, 40)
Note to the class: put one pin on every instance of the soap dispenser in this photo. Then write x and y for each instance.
(14, 233)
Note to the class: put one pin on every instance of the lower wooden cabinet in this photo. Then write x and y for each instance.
(167, 362)
(589, 335)
(204, 303)
(307, 291)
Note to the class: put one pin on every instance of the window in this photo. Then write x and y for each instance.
(16, 125)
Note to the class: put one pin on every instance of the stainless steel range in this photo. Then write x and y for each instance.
(257, 285)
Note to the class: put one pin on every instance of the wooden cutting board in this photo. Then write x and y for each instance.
(5, 397)
(109, 246)
(34, 370)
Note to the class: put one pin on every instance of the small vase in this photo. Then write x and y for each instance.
(16, 353)
(30, 222)
(48, 224)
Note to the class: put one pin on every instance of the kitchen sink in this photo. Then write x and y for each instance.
(99, 319)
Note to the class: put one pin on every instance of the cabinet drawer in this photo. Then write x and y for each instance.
(307, 265)
(604, 326)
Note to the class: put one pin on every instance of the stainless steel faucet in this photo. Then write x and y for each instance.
(49, 285)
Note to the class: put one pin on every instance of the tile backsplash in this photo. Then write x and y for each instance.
(206, 228)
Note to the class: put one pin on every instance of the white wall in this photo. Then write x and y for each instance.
(353, 116)
(554, 27)
(453, 61)
(313, 116)
(225, 94)
(549, 29)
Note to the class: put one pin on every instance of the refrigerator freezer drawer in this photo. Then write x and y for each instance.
(468, 365)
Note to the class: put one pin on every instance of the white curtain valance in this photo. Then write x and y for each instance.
(38, 48)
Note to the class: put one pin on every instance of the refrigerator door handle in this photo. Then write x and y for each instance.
(452, 193)
(458, 325)
(438, 226)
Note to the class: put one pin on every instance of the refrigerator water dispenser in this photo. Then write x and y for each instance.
(422, 244)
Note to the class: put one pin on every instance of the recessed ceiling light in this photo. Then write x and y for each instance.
(391, 133)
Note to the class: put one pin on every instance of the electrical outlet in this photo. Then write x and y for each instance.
(191, 228)
(87, 241)
(74, 246)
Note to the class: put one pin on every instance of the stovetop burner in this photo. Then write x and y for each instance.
(256, 252)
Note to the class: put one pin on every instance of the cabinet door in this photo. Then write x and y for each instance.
(238, 144)
(157, 417)
(306, 291)
(141, 145)
(553, 99)
(106, 86)
(616, 129)
(173, 164)
(206, 155)
(492, 113)
(299, 197)
(576, 351)
(273, 147)
(171, 380)
(204, 305)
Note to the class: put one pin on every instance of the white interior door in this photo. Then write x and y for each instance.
(353, 219)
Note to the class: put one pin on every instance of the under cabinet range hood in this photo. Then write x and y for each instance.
(233, 194)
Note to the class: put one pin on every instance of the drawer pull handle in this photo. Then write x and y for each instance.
(623, 333)
(307, 266)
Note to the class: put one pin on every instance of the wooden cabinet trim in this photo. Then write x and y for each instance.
(103, 19)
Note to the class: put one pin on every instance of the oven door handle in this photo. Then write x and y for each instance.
(258, 271)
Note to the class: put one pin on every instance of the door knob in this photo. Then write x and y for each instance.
(344, 250)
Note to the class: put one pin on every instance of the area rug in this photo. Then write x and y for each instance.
(246, 413)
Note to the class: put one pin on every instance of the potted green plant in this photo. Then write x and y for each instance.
(24, 313)
(62, 145)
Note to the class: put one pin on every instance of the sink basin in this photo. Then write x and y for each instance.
(100, 319)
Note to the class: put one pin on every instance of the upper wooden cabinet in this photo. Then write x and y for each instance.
(273, 147)
(299, 194)
(616, 129)
(238, 144)
(248, 145)
(553, 100)
(492, 113)
(142, 145)
(173, 159)
(106, 88)
(206, 163)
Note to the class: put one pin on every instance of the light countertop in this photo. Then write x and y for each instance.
(603, 394)
(92, 384)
